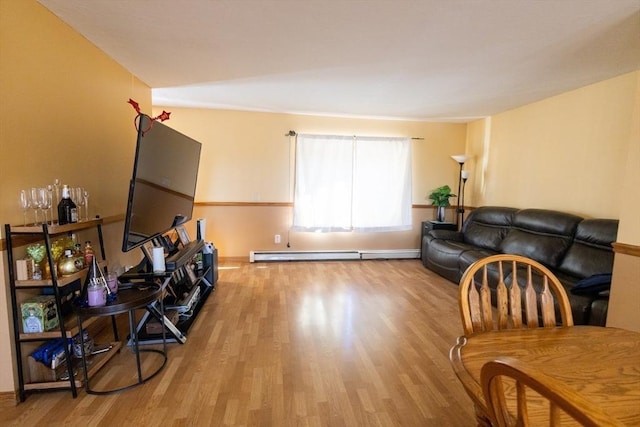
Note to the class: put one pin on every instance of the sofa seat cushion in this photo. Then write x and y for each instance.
(580, 305)
(469, 257)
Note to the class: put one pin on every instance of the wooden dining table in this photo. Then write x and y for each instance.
(602, 364)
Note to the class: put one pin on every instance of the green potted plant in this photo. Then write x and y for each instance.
(440, 198)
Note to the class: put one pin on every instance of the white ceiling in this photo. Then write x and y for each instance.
(402, 59)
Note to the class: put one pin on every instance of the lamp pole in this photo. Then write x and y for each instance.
(464, 175)
(460, 158)
(458, 193)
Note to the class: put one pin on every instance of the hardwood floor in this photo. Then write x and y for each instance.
(357, 343)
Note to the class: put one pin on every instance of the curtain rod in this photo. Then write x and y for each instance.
(294, 133)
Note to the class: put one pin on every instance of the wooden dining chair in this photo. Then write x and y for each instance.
(530, 304)
(533, 391)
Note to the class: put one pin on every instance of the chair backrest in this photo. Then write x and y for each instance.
(556, 400)
(532, 303)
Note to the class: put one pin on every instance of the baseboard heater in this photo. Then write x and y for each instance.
(256, 256)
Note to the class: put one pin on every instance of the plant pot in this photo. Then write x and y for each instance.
(441, 212)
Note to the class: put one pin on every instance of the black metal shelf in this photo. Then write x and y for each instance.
(67, 323)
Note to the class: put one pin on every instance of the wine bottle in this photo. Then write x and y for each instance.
(67, 210)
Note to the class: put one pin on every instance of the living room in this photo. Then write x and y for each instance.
(64, 114)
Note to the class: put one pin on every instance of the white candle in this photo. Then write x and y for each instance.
(158, 260)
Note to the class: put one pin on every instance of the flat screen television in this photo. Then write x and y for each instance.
(163, 184)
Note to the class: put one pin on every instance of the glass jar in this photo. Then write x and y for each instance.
(96, 294)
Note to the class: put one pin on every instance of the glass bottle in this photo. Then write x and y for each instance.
(67, 210)
(37, 272)
(77, 252)
(67, 264)
(89, 253)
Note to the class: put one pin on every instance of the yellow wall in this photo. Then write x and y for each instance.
(477, 142)
(630, 198)
(568, 152)
(246, 158)
(577, 152)
(63, 114)
(624, 304)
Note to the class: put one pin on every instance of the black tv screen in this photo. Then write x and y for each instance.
(163, 185)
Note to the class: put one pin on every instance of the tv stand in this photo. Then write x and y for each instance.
(188, 286)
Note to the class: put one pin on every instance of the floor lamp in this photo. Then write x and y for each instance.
(464, 175)
(460, 158)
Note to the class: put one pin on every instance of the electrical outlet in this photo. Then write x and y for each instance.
(276, 238)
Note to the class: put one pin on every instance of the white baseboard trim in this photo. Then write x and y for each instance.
(257, 256)
(390, 254)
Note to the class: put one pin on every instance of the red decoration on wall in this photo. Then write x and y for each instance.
(162, 117)
(135, 105)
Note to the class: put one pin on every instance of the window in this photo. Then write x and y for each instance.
(347, 183)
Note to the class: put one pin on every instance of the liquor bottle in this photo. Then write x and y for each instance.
(89, 253)
(67, 210)
(67, 264)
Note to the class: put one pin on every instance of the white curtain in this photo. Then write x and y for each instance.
(346, 183)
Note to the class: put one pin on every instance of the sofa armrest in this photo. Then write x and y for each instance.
(446, 235)
(598, 315)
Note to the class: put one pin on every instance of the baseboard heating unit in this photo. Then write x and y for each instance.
(256, 256)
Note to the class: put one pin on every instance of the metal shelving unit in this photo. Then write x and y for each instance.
(68, 326)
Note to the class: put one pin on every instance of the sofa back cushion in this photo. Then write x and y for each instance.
(591, 252)
(487, 226)
(540, 234)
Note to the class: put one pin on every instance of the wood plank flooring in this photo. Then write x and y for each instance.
(357, 343)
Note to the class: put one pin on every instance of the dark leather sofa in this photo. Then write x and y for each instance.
(575, 249)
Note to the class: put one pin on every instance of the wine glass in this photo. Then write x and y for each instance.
(45, 202)
(79, 201)
(51, 205)
(35, 203)
(25, 203)
(86, 204)
(56, 185)
(74, 199)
